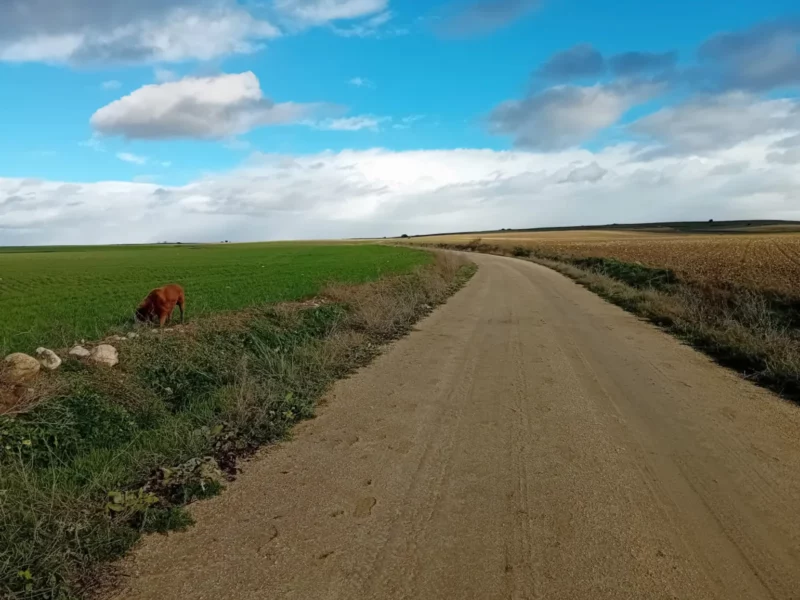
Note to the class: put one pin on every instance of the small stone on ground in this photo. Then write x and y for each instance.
(48, 359)
(104, 354)
(18, 367)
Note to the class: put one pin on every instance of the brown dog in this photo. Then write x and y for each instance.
(160, 303)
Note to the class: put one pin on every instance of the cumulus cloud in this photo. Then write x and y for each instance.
(726, 169)
(766, 56)
(566, 115)
(381, 192)
(708, 123)
(722, 109)
(788, 157)
(591, 173)
(636, 63)
(793, 141)
(763, 57)
(476, 17)
(584, 60)
(197, 107)
(579, 61)
(119, 31)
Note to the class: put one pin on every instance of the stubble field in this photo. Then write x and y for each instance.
(765, 262)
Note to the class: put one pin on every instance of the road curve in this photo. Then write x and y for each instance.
(528, 440)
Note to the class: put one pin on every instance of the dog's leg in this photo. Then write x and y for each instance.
(162, 318)
(181, 302)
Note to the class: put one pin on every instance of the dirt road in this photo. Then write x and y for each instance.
(527, 441)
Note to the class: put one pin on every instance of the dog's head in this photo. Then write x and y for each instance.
(143, 312)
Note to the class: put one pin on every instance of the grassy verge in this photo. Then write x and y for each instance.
(751, 331)
(112, 454)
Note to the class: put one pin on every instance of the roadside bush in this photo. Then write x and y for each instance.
(634, 274)
(521, 251)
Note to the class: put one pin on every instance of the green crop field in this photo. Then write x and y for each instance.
(55, 296)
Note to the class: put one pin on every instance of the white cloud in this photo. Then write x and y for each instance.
(585, 61)
(726, 169)
(787, 157)
(566, 115)
(316, 12)
(763, 57)
(94, 143)
(132, 158)
(356, 123)
(475, 17)
(407, 122)
(118, 31)
(361, 82)
(111, 85)
(380, 192)
(197, 107)
(706, 123)
(371, 27)
(591, 173)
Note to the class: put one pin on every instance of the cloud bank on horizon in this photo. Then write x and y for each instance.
(244, 120)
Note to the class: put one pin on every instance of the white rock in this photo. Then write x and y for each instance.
(79, 352)
(132, 335)
(48, 359)
(104, 355)
(18, 367)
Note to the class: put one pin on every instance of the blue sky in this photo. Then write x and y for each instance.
(327, 118)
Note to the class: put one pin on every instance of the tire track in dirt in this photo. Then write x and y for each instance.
(527, 441)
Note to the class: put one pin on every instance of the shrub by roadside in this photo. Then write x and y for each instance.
(753, 332)
(113, 454)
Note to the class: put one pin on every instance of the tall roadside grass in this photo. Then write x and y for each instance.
(754, 332)
(108, 455)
